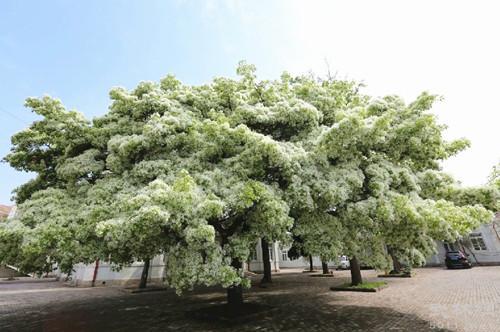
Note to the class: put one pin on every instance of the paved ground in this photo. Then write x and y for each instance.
(434, 300)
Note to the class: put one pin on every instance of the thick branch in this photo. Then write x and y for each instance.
(240, 220)
(237, 222)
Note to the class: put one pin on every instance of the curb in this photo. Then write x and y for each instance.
(330, 275)
(144, 290)
(28, 280)
(395, 276)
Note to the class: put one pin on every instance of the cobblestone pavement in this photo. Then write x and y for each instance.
(434, 300)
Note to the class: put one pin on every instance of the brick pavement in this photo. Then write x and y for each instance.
(434, 300)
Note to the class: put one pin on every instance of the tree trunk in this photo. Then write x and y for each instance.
(473, 255)
(145, 273)
(235, 293)
(311, 266)
(396, 265)
(235, 296)
(355, 271)
(324, 265)
(96, 268)
(266, 261)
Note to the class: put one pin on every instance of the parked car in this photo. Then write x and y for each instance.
(457, 259)
(343, 263)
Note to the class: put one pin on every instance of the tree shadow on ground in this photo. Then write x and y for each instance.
(290, 304)
(304, 309)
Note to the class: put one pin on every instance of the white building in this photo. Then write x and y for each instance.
(279, 259)
(103, 274)
(482, 246)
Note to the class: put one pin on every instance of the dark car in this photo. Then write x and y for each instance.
(457, 259)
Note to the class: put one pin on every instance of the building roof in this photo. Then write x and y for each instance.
(4, 210)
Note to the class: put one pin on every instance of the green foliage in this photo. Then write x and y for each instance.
(200, 173)
(365, 285)
(61, 134)
(494, 178)
(373, 182)
(436, 185)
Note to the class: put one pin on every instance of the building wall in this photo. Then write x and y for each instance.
(302, 262)
(106, 276)
(256, 264)
(8, 272)
(438, 258)
(491, 239)
(130, 275)
(280, 259)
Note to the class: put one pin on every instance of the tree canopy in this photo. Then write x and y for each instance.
(200, 173)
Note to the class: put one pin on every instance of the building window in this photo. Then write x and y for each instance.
(271, 257)
(284, 255)
(477, 241)
(253, 255)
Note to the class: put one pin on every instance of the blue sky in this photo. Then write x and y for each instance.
(77, 51)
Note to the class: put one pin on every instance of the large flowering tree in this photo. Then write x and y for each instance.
(196, 173)
(201, 173)
(170, 169)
